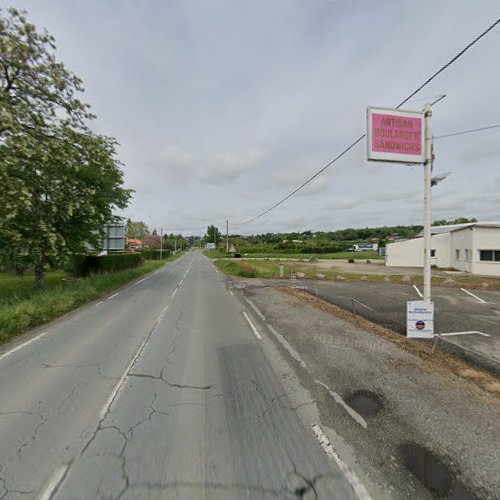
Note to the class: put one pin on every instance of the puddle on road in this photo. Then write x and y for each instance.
(366, 403)
(433, 473)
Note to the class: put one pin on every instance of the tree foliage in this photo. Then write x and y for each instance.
(60, 182)
(460, 220)
(213, 235)
(37, 93)
(136, 230)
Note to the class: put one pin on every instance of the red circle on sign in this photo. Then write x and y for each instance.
(420, 325)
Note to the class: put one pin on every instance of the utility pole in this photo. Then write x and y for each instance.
(161, 243)
(227, 236)
(175, 245)
(427, 203)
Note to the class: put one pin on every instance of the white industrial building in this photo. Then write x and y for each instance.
(472, 247)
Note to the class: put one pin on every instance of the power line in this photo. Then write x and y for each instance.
(404, 101)
(462, 132)
(471, 131)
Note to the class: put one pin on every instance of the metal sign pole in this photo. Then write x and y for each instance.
(427, 203)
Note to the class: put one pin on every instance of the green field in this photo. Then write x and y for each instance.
(14, 288)
(220, 254)
(22, 307)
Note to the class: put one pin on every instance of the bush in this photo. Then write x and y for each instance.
(155, 254)
(85, 265)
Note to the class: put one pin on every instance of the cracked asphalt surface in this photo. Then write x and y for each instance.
(160, 391)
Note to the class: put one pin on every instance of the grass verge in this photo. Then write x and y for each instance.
(270, 269)
(28, 311)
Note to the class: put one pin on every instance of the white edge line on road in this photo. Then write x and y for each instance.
(54, 482)
(479, 299)
(462, 333)
(180, 282)
(352, 478)
(140, 281)
(175, 291)
(12, 351)
(252, 326)
(254, 307)
(114, 295)
(353, 413)
(231, 293)
(99, 303)
(418, 291)
(287, 346)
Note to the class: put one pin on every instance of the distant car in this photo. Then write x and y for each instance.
(237, 255)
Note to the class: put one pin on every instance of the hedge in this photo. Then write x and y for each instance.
(155, 254)
(85, 265)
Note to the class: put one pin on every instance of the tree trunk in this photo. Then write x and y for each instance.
(39, 276)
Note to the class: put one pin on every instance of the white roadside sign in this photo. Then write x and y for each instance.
(420, 319)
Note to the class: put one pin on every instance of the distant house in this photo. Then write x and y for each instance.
(134, 245)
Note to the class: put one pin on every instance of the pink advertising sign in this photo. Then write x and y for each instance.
(394, 135)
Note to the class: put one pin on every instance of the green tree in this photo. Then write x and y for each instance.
(60, 182)
(213, 235)
(56, 195)
(37, 93)
(137, 230)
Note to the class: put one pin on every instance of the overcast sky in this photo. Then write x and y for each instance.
(222, 107)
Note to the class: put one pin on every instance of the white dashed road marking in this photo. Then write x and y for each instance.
(252, 326)
(54, 483)
(12, 351)
(353, 479)
(353, 413)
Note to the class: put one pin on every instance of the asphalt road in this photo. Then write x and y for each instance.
(159, 391)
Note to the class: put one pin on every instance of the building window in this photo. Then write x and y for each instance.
(467, 254)
(457, 254)
(433, 253)
(489, 255)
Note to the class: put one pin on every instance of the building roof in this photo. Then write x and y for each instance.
(458, 227)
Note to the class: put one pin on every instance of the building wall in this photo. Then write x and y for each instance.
(461, 249)
(485, 238)
(441, 244)
(410, 253)
(468, 241)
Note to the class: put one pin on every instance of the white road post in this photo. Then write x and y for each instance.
(427, 203)
(161, 243)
